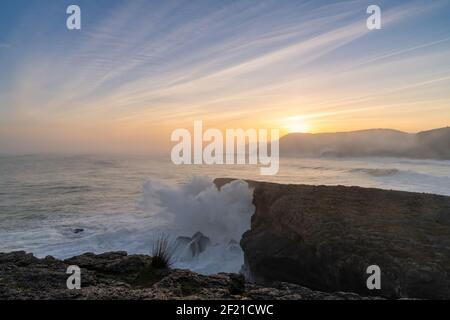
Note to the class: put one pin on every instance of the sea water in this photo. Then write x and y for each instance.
(67, 205)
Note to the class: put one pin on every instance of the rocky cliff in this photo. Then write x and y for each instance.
(325, 237)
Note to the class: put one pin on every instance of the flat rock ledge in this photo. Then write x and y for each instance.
(326, 237)
(117, 275)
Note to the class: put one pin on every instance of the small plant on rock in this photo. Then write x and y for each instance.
(162, 253)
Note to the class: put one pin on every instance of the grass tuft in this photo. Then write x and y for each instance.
(162, 253)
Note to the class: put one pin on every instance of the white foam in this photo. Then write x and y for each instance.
(180, 210)
(199, 206)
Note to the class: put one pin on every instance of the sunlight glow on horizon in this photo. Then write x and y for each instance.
(138, 70)
(296, 125)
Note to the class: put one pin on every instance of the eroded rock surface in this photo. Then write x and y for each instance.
(116, 275)
(325, 237)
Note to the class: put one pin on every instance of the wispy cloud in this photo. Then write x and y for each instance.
(153, 64)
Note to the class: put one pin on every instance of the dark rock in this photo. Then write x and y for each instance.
(325, 238)
(111, 262)
(197, 244)
(183, 241)
(116, 275)
(234, 246)
(237, 284)
(19, 258)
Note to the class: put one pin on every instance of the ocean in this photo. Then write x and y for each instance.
(67, 205)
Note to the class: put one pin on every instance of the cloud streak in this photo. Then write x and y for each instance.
(148, 66)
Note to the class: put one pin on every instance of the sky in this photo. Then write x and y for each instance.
(137, 70)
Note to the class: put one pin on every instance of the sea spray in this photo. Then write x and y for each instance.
(175, 210)
(222, 215)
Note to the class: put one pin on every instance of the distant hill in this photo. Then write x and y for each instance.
(432, 144)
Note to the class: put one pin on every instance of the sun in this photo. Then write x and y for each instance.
(296, 125)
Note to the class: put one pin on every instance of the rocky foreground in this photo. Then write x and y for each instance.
(116, 275)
